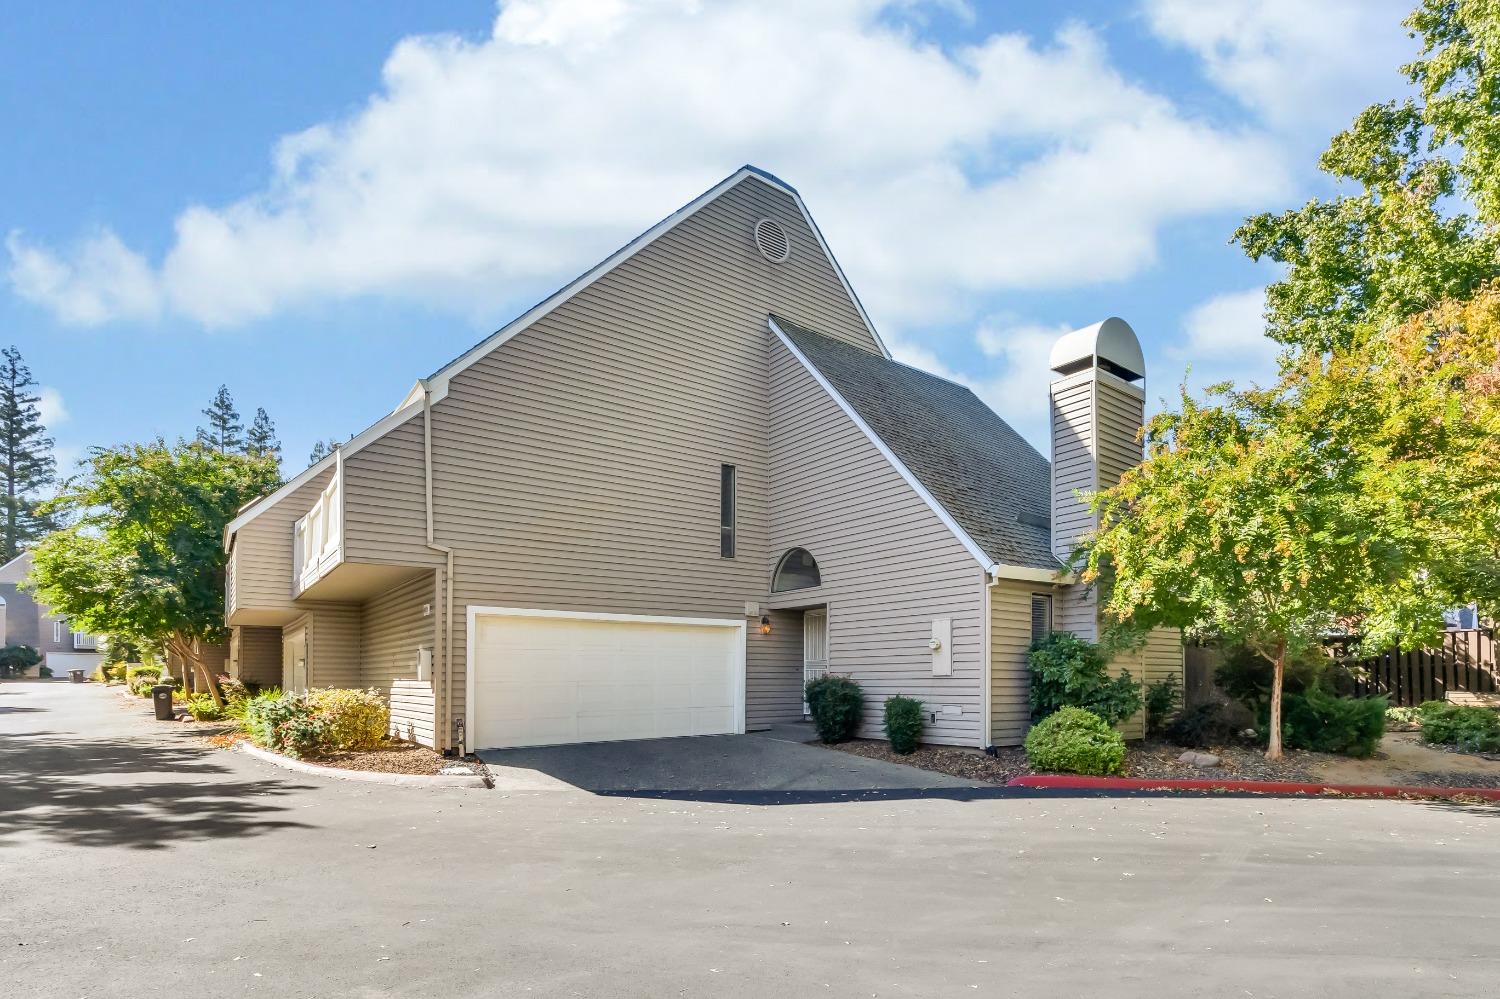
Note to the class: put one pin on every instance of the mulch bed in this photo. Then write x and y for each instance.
(396, 758)
(1455, 778)
(1149, 760)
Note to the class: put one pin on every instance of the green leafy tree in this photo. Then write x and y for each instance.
(261, 440)
(1421, 221)
(225, 432)
(26, 458)
(144, 558)
(1245, 523)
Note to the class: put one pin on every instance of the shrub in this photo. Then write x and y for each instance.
(835, 703)
(45, 672)
(350, 719)
(903, 723)
(1245, 676)
(266, 713)
(1201, 726)
(1162, 699)
(17, 659)
(300, 734)
(1320, 721)
(1073, 740)
(113, 672)
(1403, 719)
(203, 708)
(99, 675)
(1067, 671)
(232, 689)
(1464, 727)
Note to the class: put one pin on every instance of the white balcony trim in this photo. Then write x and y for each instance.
(318, 536)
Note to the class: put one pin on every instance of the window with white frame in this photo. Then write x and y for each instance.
(1041, 617)
(57, 631)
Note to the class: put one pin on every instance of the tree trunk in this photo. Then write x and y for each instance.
(1273, 748)
(192, 655)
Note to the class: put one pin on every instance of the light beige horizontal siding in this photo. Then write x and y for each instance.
(333, 654)
(1010, 667)
(385, 512)
(773, 670)
(1159, 658)
(257, 655)
(888, 564)
(576, 467)
(393, 630)
(262, 553)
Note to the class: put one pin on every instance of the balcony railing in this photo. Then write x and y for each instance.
(84, 642)
(318, 538)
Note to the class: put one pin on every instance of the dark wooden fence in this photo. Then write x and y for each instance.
(1464, 661)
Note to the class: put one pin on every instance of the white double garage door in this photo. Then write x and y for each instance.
(546, 678)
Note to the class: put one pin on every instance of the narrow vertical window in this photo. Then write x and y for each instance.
(726, 511)
(1041, 617)
(57, 630)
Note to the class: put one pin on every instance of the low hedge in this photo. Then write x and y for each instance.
(319, 721)
(1464, 727)
(1072, 740)
(1325, 723)
(835, 703)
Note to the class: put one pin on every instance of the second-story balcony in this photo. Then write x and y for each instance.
(317, 544)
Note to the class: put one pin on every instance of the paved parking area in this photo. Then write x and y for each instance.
(134, 862)
(759, 766)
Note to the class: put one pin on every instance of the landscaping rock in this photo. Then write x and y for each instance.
(1196, 759)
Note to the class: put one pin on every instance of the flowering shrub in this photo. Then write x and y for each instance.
(351, 719)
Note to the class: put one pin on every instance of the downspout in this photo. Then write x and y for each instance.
(446, 716)
(987, 736)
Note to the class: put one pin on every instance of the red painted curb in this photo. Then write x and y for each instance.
(1252, 786)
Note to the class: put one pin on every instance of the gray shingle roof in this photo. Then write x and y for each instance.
(990, 480)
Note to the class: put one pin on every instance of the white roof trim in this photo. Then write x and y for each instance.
(916, 484)
(439, 381)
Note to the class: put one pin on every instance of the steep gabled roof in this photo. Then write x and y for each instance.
(437, 382)
(992, 484)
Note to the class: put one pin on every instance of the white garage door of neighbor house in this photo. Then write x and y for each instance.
(548, 678)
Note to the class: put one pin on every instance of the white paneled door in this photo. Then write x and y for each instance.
(546, 678)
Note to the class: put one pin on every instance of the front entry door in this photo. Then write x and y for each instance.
(814, 647)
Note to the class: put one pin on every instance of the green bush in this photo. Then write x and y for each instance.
(1067, 671)
(350, 719)
(17, 659)
(203, 708)
(1201, 726)
(45, 672)
(835, 703)
(1463, 727)
(1324, 723)
(266, 713)
(99, 676)
(1162, 699)
(1072, 740)
(1245, 676)
(903, 723)
(1403, 719)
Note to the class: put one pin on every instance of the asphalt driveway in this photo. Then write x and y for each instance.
(776, 765)
(136, 862)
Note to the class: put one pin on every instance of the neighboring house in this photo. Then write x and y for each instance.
(27, 622)
(659, 500)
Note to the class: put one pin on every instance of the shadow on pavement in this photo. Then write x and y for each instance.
(91, 792)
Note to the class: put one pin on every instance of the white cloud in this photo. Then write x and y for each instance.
(485, 171)
(1225, 339)
(50, 405)
(1294, 61)
(102, 279)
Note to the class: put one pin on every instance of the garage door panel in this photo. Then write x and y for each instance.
(541, 680)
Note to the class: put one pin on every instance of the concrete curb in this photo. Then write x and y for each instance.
(367, 776)
(1253, 787)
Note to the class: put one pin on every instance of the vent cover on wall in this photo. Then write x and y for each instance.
(772, 241)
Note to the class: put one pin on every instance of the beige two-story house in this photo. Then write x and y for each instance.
(23, 621)
(657, 502)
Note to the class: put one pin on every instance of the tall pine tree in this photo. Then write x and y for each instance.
(225, 432)
(26, 457)
(261, 441)
(322, 449)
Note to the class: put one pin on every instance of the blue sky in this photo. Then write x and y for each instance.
(319, 203)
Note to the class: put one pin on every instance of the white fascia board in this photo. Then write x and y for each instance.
(372, 433)
(916, 484)
(1030, 574)
(439, 381)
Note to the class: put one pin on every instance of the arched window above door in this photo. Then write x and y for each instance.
(797, 570)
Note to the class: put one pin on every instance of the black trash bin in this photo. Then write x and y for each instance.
(161, 697)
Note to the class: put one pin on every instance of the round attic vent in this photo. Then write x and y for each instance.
(771, 240)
